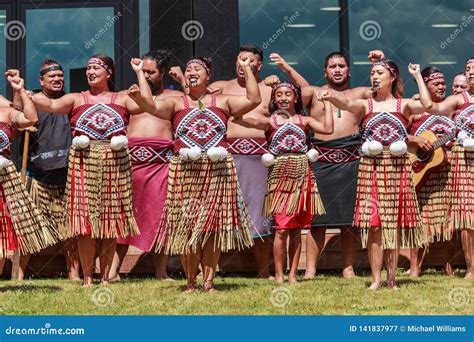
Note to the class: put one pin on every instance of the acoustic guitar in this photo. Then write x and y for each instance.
(424, 162)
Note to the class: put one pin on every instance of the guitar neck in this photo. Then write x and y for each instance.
(443, 140)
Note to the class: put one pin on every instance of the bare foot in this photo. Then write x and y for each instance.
(280, 279)
(469, 275)
(374, 286)
(414, 273)
(104, 282)
(309, 275)
(209, 286)
(448, 269)
(88, 282)
(348, 272)
(162, 277)
(407, 272)
(266, 276)
(75, 278)
(292, 280)
(115, 279)
(190, 288)
(391, 284)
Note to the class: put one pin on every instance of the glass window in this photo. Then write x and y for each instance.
(427, 32)
(303, 32)
(144, 26)
(71, 38)
(3, 58)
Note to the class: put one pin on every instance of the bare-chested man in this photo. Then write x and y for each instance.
(150, 141)
(336, 169)
(247, 146)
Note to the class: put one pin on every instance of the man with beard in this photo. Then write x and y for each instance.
(337, 167)
(247, 146)
(460, 84)
(150, 141)
(48, 163)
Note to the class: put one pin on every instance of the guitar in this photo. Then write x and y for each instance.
(424, 162)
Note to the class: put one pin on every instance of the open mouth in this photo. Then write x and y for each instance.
(375, 85)
(284, 104)
(193, 80)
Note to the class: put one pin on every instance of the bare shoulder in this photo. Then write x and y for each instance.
(170, 93)
(123, 92)
(220, 84)
(356, 93)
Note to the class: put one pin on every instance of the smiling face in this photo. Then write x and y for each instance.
(196, 75)
(255, 63)
(381, 78)
(52, 82)
(285, 98)
(460, 84)
(337, 71)
(96, 75)
(437, 89)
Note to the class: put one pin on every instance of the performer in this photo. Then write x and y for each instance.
(433, 197)
(460, 84)
(98, 205)
(248, 144)
(292, 196)
(386, 211)
(47, 163)
(22, 227)
(460, 108)
(337, 167)
(205, 213)
(150, 140)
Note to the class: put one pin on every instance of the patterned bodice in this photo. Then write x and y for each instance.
(204, 129)
(288, 137)
(384, 127)
(5, 139)
(100, 121)
(438, 124)
(464, 117)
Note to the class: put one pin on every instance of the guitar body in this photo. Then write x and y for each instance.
(423, 163)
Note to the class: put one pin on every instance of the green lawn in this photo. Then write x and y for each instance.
(431, 294)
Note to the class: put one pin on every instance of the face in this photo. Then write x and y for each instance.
(52, 81)
(196, 75)
(470, 74)
(96, 75)
(255, 63)
(285, 99)
(437, 89)
(153, 75)
(460, 84)
(337, 71)
(381, 78)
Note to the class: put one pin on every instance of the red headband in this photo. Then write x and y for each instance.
(287, 85)
(101, 63)
(433, 76)
(386, 66)
(470, 60)
(201, 63)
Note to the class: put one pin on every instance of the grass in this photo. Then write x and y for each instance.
(431, 294)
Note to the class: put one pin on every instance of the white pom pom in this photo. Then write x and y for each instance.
(118, 143)
(194, 153)
(468, 144)
(462, 135)
(81, 142)
(184, 153)
(222, 153)
(365, 148)
(4, 162)
(312, 155)
(213, 153)
(375, 148)
(398, 148)
(268, 159)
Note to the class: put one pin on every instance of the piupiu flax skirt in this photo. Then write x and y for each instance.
(203, 199)
(98, 199)
(22, 226)
(386, 199)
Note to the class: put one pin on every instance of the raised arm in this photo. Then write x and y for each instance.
(28, 116)
(62, 105)
(413, 106)
(259, 123)
(325, 125)
(239, 105)
(294, 75)
(342, 102)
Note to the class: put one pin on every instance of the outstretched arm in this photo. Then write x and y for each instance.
(342, 102)
(294, 75)
(239, 105)
(262, 124)
(326, 124)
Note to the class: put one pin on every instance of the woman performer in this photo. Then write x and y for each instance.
(205, 213)
(460, 108)
(386, 206)
(98, 191)
(22, 227)
(292, 196)
(433, 197)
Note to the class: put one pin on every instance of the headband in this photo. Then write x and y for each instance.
(470, 60)
(386, 66)
(50, 68)
(201, 63)
(287, 85)
(433, 76)
(101, 63)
